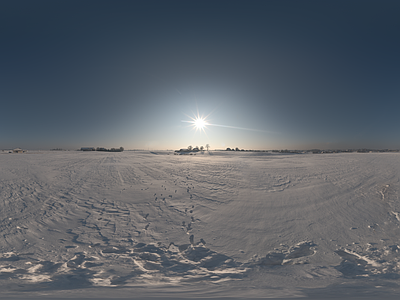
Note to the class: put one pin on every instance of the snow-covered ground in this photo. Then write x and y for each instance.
(213, 225)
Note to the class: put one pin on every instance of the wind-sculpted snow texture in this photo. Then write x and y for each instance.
(286, 225)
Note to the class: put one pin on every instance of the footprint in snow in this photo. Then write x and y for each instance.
(373, 226)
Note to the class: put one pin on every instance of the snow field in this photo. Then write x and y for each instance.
(282, 224)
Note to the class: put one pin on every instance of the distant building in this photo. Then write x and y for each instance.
(18, 150)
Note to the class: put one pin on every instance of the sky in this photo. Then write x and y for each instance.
(285, 74)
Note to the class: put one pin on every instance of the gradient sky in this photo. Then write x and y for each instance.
(302, 74)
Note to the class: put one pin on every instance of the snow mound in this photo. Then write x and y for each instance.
(294, 255)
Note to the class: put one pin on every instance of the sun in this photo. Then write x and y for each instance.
(199, 123)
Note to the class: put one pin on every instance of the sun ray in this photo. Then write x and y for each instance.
(201, 123)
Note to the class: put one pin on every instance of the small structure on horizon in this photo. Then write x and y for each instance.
(18, 150)
(189, 150)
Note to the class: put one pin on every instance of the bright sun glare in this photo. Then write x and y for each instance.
(200, 123)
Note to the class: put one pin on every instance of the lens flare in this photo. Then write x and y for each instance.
(198, 123)
(201, 123)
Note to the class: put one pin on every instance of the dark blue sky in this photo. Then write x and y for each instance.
(302, 74)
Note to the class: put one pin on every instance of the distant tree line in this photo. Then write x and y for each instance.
(195, 149)
(317, 151)
(120, 149)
